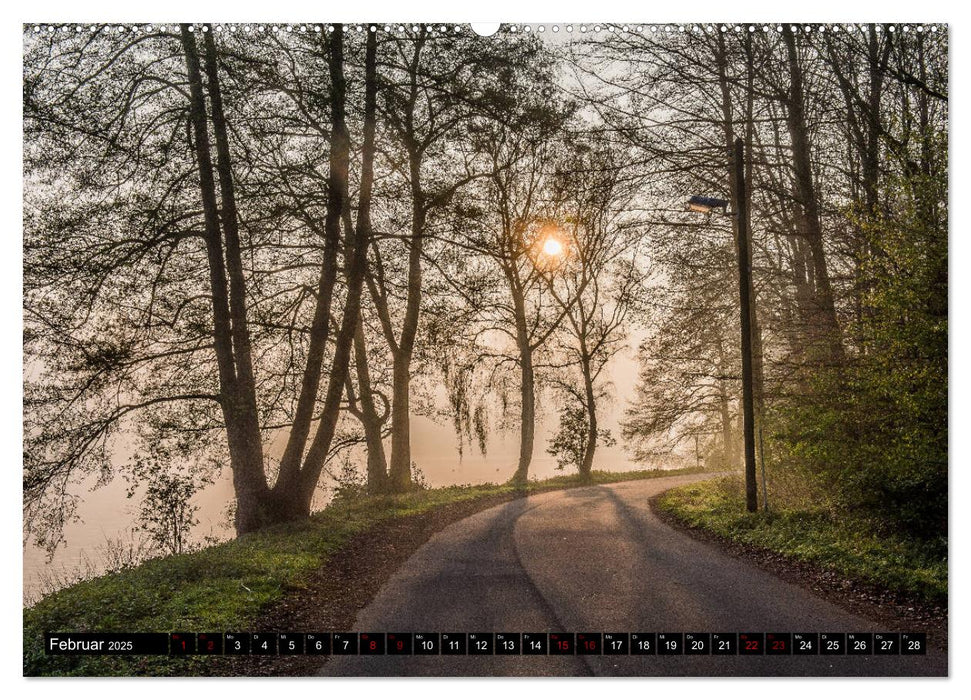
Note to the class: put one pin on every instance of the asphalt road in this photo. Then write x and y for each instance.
(596, 559)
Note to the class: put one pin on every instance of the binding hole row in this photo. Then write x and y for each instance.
(506, 28)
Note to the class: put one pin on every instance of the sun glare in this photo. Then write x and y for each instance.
(553, 247)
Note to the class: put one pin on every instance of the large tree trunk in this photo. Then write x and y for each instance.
(293, 453)
(293, 495)
(811, 228)
(871, 156)
(527, 416)
(527, 385)
(864, 130)
(724, 409)
(400, 466)
(590, 402)
(230, 337)
(371, 420)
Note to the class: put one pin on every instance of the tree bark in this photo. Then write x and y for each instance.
(871, 156)
(400, 466)
(590, 404)
(355, 257)
(527, 416)
(237, 394)
(808, 204)
(295, 494)
(527, 384)
(371, 420)
(290, 462)
(729, 453)
(246, 382)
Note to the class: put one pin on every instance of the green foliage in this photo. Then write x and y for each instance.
(418, 479)
(167, 513)
(855, 547)
(351, 483)
(873, 432)
(569, 445)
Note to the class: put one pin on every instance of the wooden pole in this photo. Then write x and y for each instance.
(745, 302)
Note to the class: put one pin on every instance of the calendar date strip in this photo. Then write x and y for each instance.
(488, 643)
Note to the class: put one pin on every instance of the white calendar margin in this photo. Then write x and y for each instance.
(536, 11)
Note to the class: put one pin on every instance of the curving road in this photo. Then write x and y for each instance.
(596, 559)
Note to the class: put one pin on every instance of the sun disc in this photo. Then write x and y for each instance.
(552, 247)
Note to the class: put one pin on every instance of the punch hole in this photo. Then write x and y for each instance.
(485, 28)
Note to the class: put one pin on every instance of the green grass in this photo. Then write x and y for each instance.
(854, 547)
(227, 586)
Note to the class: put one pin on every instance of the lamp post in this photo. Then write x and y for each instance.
(706, 205)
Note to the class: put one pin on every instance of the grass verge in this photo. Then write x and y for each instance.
(852, 547)
(227, 586)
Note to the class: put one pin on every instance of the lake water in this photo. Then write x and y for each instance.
(106, 513)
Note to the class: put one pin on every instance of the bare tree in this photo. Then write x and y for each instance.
(598, 278)
(154, 340)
